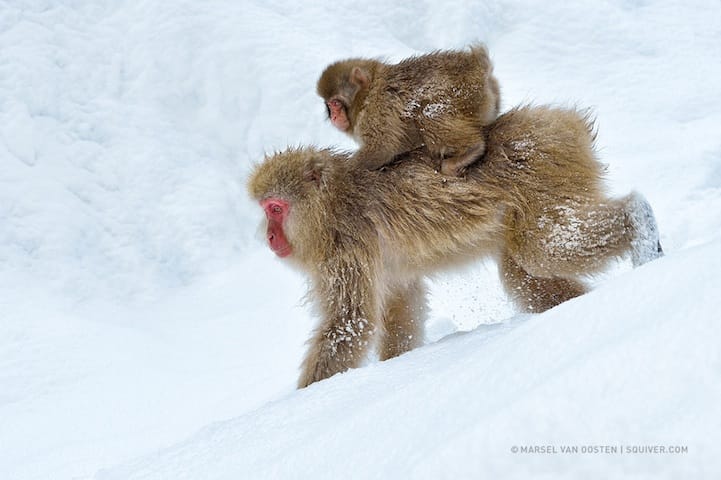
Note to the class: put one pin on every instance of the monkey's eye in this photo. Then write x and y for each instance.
(336, 104)
(275, 209)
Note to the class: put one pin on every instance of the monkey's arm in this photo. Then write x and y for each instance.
(383, 135)
(348, 304)
(373, 158)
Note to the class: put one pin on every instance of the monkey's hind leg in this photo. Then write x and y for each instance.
(573, 238)
(454, 166)
(403, 320)
(535, 294)
(458, 141)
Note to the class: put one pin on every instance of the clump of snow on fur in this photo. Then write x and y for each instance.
(646, 244)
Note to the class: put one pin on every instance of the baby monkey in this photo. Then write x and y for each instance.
(442, 100)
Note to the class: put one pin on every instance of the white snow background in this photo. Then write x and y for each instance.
(147, 332)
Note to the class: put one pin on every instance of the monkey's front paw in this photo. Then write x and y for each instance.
(307, 377)
(304, 382)
(311, 377)
(313, 371)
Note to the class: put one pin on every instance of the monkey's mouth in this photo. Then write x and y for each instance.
(283, 252)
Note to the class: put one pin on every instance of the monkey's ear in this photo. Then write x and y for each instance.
(315, 171)
(313, 175)
(360, 77)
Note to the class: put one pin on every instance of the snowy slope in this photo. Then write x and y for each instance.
(621, 377)
(137, 304)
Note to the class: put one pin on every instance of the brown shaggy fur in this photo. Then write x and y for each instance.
(367, 238)
(440, 100)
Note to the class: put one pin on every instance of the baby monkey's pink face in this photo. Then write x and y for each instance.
(337, 114)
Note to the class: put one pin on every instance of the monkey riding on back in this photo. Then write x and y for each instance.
(441, 100)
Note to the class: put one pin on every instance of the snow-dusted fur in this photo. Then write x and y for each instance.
(441, 100)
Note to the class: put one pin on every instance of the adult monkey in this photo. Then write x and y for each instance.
(367, 238)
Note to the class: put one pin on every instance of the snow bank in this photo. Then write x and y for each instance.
(610, 369)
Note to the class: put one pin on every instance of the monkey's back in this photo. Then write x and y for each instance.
(441, 84)
(537, 158)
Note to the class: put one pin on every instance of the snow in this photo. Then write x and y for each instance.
(456, 408)
(147, 332)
